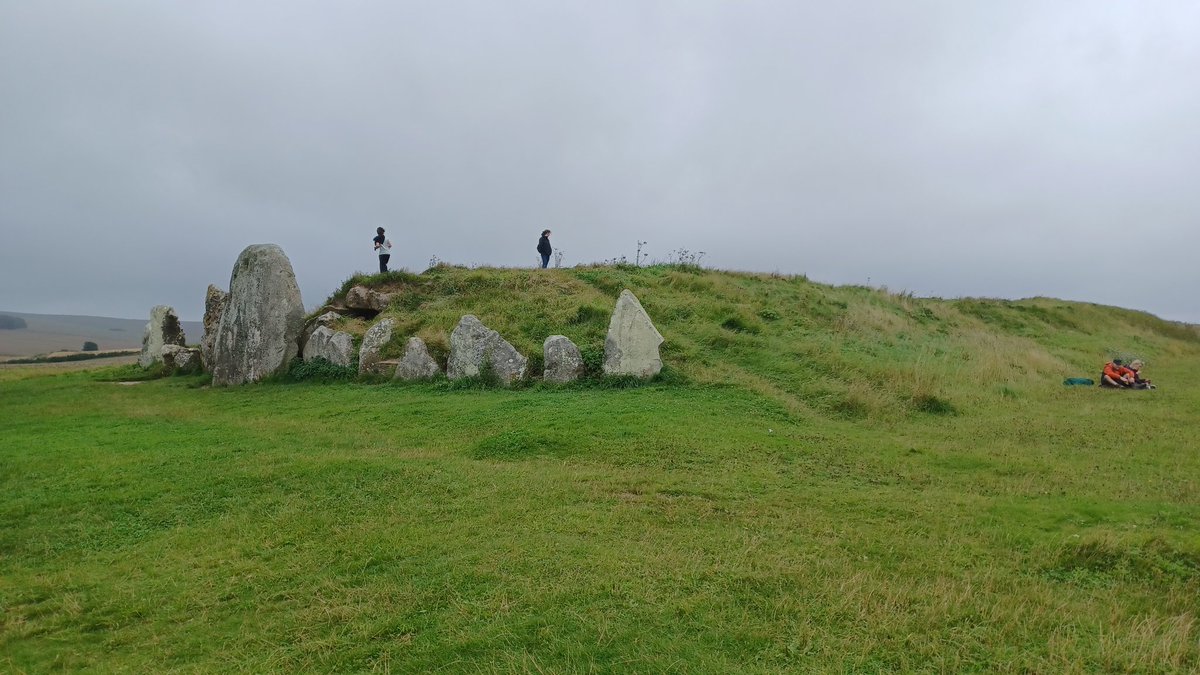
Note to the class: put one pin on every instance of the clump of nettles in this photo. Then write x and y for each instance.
(593, 361)
(486, 378)
(742, 324)
(934, 405)
(319, 370)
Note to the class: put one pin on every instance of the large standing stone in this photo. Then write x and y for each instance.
(163, 329)
(473, 344)
(372, 343)
(417, 364)
(363, 299)
(563, 361)
(177, 359)
(335, 347)
(214, 305)
(631, 347)
(259, 329)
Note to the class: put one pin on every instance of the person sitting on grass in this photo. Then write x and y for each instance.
(1139, 382)
(1116, 375)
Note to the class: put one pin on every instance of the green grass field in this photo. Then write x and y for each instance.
(831, 479)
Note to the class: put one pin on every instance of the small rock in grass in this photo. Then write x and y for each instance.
(417, 364)
(563, 361)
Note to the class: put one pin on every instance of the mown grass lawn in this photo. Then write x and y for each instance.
(667, 528)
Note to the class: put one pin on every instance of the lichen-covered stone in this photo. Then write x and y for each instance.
(472, 345)
(181, 360)
(361, 298)
(563, 362)
(335, 347)
(259, 330)
(328, 319)
(417, 363)
(215, 301)
(163, 329)
(631, 347)
(372, 343)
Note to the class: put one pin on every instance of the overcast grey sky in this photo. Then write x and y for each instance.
(949, 148)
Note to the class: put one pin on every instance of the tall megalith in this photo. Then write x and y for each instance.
(163, 329)
(631, 347)
(215, 300)
(263, 316)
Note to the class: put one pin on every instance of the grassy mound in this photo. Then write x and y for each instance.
(848, 351)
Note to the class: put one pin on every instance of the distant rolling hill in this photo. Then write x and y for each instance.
(51, 332)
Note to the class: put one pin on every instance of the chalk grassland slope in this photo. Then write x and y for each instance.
(376, 528)
(53, 332)
(847, 351)
(831, 479)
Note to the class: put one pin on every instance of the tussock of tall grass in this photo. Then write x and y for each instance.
(996, 357)
(865, 319)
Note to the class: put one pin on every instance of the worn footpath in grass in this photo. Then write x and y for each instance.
(694, 528)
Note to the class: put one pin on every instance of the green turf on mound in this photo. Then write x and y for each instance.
(848, 352)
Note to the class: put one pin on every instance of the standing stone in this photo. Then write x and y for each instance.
(177, 359)
(473, 344)
(364, 299)
(563, 361)
(631, 347)
(328, 319)
(377, 336)
(214, 305)
(417, 364)
(258, 332)
(335, 347)
(163, 329)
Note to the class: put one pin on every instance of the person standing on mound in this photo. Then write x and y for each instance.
(544, 248)
(383, 246)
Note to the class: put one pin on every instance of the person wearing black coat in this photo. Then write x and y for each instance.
(544, 248)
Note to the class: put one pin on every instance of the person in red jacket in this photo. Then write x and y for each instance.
(1116, 375)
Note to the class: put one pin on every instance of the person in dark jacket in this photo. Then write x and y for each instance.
(544, 248)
